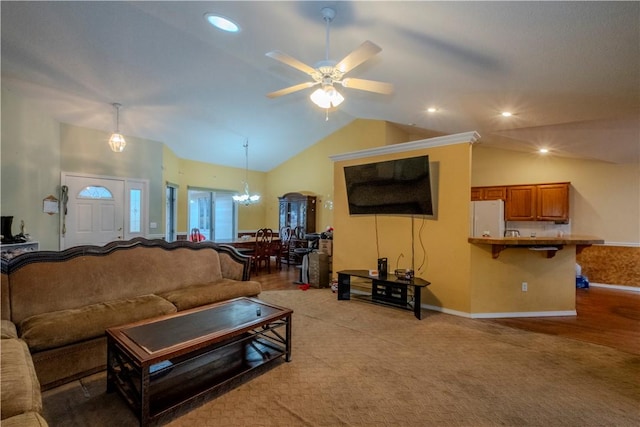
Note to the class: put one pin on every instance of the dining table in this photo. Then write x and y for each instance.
(242, 242)
(246, 245)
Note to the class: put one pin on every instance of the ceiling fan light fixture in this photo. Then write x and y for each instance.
(326, 97)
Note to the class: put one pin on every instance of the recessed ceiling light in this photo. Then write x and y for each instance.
(222, 23)
(543, 150)
(506, 114)
(432, 109)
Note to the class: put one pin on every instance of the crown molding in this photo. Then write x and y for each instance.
(439, 141)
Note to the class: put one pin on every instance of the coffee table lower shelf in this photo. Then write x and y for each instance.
(174, 384)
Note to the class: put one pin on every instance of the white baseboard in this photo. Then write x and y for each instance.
(524, 314)
(618, 287)
(446, 310)
(499, 315)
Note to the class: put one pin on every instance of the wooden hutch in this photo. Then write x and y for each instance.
(297, 211)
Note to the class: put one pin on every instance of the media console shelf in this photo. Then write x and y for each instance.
(387, 290)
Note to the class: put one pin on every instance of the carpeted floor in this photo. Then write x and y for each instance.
(358, 364)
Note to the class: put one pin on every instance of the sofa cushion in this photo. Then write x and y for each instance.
(19, 388)
(28, 419)
(208, 293)
(58, 328)
(8, 329)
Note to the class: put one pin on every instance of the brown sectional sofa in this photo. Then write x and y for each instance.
(19, 387)
(60, 303)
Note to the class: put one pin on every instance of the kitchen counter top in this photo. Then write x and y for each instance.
(548, 244)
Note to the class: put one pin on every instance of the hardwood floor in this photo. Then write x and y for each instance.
(607, 317)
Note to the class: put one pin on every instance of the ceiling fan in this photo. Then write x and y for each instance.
(327, 73)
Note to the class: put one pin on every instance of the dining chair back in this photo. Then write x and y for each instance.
(262, 254)
(281, 249)
(196, 236)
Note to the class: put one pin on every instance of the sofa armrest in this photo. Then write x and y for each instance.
(8, 329)
(5, 302)
(234, 265)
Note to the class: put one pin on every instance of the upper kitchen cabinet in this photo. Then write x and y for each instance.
(553, 202)
(488, 193)
(521, 203)
(541, 202)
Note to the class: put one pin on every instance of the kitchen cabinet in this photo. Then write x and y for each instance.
(531, 202)
(297, 210)
(488, 193)
(521, 203)
(540, 202)
(553, 202)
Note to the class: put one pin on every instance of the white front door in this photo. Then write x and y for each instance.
(94, 211)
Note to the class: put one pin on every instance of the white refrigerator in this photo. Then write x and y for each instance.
(487, 218)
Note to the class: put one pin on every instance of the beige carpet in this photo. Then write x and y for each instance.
(358, 364)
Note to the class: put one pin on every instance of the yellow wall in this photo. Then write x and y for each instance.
(604, 202)
(496, 284)
(216, 177)
(311, 171)
(604, 198)
(440, 247)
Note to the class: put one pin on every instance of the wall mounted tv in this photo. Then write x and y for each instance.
(401, 187)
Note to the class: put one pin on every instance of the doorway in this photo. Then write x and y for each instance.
(97, 210)
(171, 213)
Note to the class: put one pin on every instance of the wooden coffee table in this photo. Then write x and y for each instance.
(166, 365)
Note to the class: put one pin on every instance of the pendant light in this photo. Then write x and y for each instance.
(117, 142)
(246, 198)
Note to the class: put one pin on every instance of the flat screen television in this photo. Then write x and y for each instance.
(401, 187)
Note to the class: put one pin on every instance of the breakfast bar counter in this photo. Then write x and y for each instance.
(548, 245)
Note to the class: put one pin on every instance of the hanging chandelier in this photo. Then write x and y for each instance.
(117, 142)
(246, 198)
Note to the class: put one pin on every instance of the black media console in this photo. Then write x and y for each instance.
(387, 290)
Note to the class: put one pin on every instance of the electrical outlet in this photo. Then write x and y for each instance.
(525, 285)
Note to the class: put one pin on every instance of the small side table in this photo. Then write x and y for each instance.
(9, 250)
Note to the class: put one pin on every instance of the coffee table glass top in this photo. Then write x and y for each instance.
(221, 318)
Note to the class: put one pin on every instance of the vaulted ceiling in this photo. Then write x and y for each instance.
(568, 71)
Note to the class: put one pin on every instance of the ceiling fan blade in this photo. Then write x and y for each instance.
(363, 52)
(291, 61)
(369, 85)
(290, 89)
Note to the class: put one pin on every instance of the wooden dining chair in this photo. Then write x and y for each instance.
(196, 236)
(280, 249)
(262, 254)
